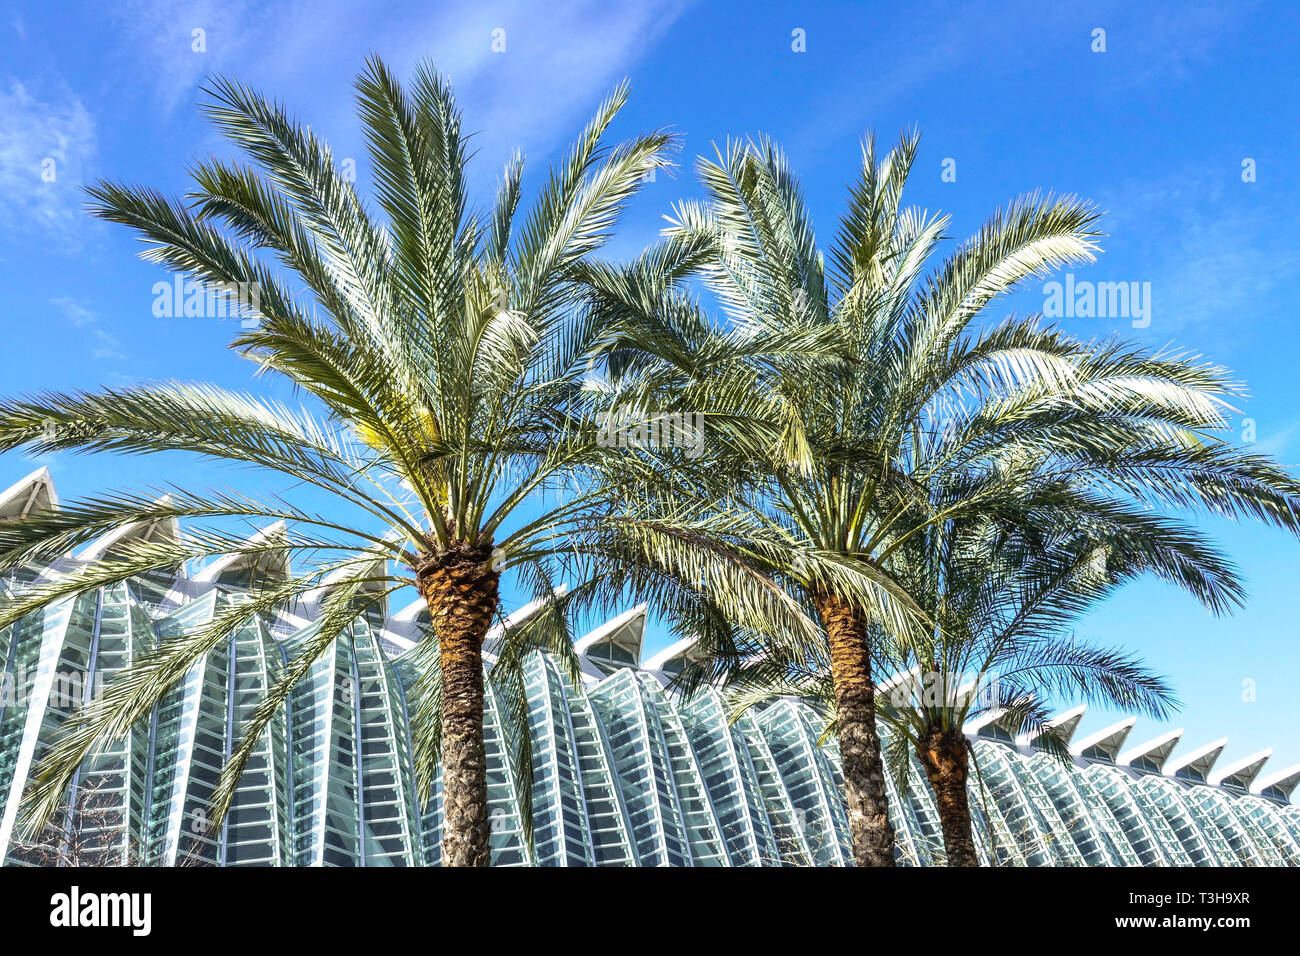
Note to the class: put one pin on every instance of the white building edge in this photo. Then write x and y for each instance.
(624, 771)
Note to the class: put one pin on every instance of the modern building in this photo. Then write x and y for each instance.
(624, 772)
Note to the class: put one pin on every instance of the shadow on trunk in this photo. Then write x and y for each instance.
(461, 590)
(855, 714)
(946, 759)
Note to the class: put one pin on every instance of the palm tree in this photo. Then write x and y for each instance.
(924, 418)
(1002, 600)
(450, 424)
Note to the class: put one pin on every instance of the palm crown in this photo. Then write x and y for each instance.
(925, 397)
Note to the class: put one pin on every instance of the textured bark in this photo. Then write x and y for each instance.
(855, 712)
(946, 760)
(460, 588)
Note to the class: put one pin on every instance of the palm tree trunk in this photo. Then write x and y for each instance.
(946, 760)
(855, 713)
(460, 588)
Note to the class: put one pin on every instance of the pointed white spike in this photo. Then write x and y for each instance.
(1278, 785)
(401, 626)
(1064, 723)
(498, 630)
(982, 722)
(33, 494)
(168, 528)
(900, 690)
(1242, 773)
(1152, 754)
(1105, 743)
(230, 562)
(675, 650)
(1197, 764)
(624, 632)
(908, 678)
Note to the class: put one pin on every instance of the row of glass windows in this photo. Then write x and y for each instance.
(622, 773)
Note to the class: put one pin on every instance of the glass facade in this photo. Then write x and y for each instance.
(624, 771)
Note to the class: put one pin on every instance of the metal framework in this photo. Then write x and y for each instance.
(625, 772)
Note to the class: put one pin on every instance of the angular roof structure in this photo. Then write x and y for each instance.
(1105, 744)
(33, 494)
(1241, 773)
(1197, 764)
(1278, 785)
(1152, 754)
(616, 643)
(621, 768)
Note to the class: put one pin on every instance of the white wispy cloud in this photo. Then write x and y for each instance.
(162, 34)
(1213, 251)
(923, 46)
(1169, 43)
(47, 143)
(75, 310)
(103, 345)
(1281, 442)
(559, 60)
(106, 347)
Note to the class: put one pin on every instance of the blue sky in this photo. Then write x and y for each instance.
(1155, 129)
